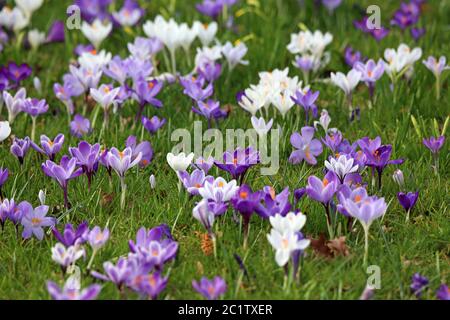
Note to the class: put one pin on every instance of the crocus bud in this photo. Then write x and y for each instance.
(398, 177)
(152, 181)
(42, 197)
(37, 85)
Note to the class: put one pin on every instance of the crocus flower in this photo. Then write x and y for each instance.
(34, 219)
(18, 73)
(56, 32)
(206, 32)
(273, 203)
(104, 96)
(210, 71)
(192, 182)
(366, 212)
(145, 93)
(399, 61)
(322, 190)
(341, 167)
(194, 89)
(333, 140)
(62, 173)
(35, 38)
(352, 56)
(66, 257)
(210, 289)
(72, 291)
(331, 5)
(145, 48)
(408, 201)
(204, 164)
(370, 73)
(117, 274)
(129, 14)
(238, 162)
(49, 147)
(87, 157)
(206, 217)
(71, 236)
(403, 19)
(398, 177)
(285, 244)
(306, 147)
(291, 222)
(347, 83)
(80, 126)
(152, 285)
(179, 162)
(434, 144)
(153, 124)
(345, 192)
(307, 101)
(5, 130)
(210, 110)
(96, 32)
(417, 33)
(418, 284)
(436, 67)
(144, 148)
(14, 103)
(234, 55)
(20, 147)
(260, 125)
(34, 107)
(121, 162)
(443, 293)
(97, 238)
(4, 173)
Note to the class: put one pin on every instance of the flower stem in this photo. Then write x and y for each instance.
(33, 128)
(174, 62)
(366, 245)
(438, 88)
(91, 260)
(124, 191)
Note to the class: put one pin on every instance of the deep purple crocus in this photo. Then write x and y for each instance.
(418, 284)
(380, 33)
(56, 32)
(17, 73)
(408, 201)
(153, 124)
(80, 126)
(210, 8)
(71, 236)
(87, 157)
(20, 147)
(245, 201)
(443, 293)
(144, 149)
(62, 173)
(352, 56)
(238, 162)
(272, 203)
(49, 147)
(194, 88)
(93, 9)
(145, 93)
(210, 289)
(307, 101)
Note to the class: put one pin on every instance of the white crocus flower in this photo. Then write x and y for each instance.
(92, 60)
(252, 101)
(29, 6)
(66, 256)
(179, 162)
(36, 38)
(260, 125)
(234, 54)
(342, 166)
(219, 190)
(346, 82)
(400, 60)
(285, 244)
(283, 102)
(5, 130)
(291, 222)
(324, 120)
(205, 32)
(96, 32)
(14, 104)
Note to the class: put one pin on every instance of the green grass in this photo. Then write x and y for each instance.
(400, 249)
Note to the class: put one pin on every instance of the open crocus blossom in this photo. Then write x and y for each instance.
(210, 289)
(179, 162)
(34, 219)
(49, 147)
(260, 125)
(71, 236)
(62, 173)
(96, 32)
(66, 256)
(72, 290)
(370, 73)
(87, 157)
(14, 103)
(366, 212)
(105, 96)
(285, 244)
(121, 162)
(347, 83)
(399, 61)
(341, 167)
(437, 67)
(307, 148)
(307, 101)
(5, 130)
(20, 147)
(238, 162)
(153, 124)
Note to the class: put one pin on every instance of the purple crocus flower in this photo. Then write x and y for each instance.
(345, 192)
(17, 73)
(434, 144)
(238, 162)
(117, 274)
(87, 157)
(93, 9)
(71, 236)
(159, 233)
(145, 93)
(380, 33)
(153, 124)
(298, 195)
(56, 32)
(408, 200)
(305, 63)
(322, 190)
(210, 289)
(4, 173)
(49, 147)
(371, 72)
(81, 48)
(333, 141)
(34, 219)
(20, 147)
(379, 159)
(306, 147)
(71, 291)
(62, 173)
(152, 285)
(117, 69)
(352, 56)
(307, 101)
(417, 33)
(443, 293)
(129, 14)
(418, 284)
(245, 201)
(194, 88)
(404, 19)
(210, 110)
(273, 203)
(331, 5)
(210, 71)
(144, 148)
(362, 25)
(145, 48)
(34, 107)
(97, 238)
(192, 182)
(210, 8)
(204, 164)
(80, 126)
(9, 210)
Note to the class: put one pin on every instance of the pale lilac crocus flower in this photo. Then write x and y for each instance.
(370, 73)
(14, 103)
(72, 290)
(105, 96)
(121, 162)
(307, 148)
(347, 83)
(97, 239)
(34, 219)
(437, 67)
